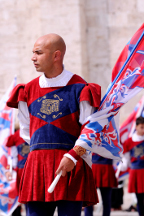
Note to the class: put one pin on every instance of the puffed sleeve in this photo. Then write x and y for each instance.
(18, 94)
(91, 93)
(126, 146)
(10, 141)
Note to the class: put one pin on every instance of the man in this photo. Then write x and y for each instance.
(52, 109)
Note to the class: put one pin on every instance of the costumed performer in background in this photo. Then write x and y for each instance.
(105, 180)
(134, 156)
(19, 154)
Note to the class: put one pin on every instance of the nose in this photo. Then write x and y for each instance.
(33, 58)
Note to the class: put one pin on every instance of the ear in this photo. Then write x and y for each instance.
(57, 55)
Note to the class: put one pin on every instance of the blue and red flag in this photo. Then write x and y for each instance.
(101, 131)
(8, 192)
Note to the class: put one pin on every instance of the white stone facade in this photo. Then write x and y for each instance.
(95, 32)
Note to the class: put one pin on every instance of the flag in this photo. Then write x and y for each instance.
(8, 192)
(100, 134)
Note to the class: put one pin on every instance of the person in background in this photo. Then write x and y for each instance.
(19, 154)
(134, 157)
(117, 197)
(105, 180)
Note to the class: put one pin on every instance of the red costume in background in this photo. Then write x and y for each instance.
(136, 173)
(22, 150)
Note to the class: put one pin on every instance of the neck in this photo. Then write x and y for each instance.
(54, 72)
(139, 134)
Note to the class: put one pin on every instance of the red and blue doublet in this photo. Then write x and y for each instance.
(54, 128)
(103, 172)
(136, 173)
(23, 150)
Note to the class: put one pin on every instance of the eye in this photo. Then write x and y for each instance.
(39, 53)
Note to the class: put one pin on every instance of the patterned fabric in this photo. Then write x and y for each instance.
(55, 110)
(8, 192)
(100, 133)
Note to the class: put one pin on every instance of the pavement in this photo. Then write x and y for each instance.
(128, 200)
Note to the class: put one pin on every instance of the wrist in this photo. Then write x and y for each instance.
(80, 151)
(74, 154)
(71, 157)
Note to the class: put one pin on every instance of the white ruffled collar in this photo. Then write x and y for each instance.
(137, 138)
(60, 80)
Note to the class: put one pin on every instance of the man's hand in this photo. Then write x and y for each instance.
(66, 165)
(8, 176)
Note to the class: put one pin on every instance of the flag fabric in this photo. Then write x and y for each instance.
(8, 192)
(100, 134)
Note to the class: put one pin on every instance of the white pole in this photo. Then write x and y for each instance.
(55, 181)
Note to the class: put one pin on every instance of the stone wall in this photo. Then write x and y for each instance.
(95, 32)
(110, 25)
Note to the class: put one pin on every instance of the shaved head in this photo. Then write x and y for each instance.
(53, 42)
(48, 54)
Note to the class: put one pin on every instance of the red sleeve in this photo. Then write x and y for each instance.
(74, 154)
(92, 93)
(10, 141)
(126, 145)
(18, 94)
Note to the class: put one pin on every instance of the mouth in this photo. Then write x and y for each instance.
(36, 65)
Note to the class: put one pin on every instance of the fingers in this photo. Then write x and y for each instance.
(58, 170)
(64, 172)
(66, 165)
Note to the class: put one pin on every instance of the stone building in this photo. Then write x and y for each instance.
(95, 32)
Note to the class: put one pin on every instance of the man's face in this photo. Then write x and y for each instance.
(42, 57)
(140, 129)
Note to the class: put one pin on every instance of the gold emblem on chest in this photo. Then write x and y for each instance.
(138, 151)
(49, 106)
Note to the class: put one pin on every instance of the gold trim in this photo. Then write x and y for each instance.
(41, 98)
(50, 143)
(55, 116)
(43, 116)
(79, 150)
(55, 95)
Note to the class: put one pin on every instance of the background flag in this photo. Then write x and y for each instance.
(8, 192)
